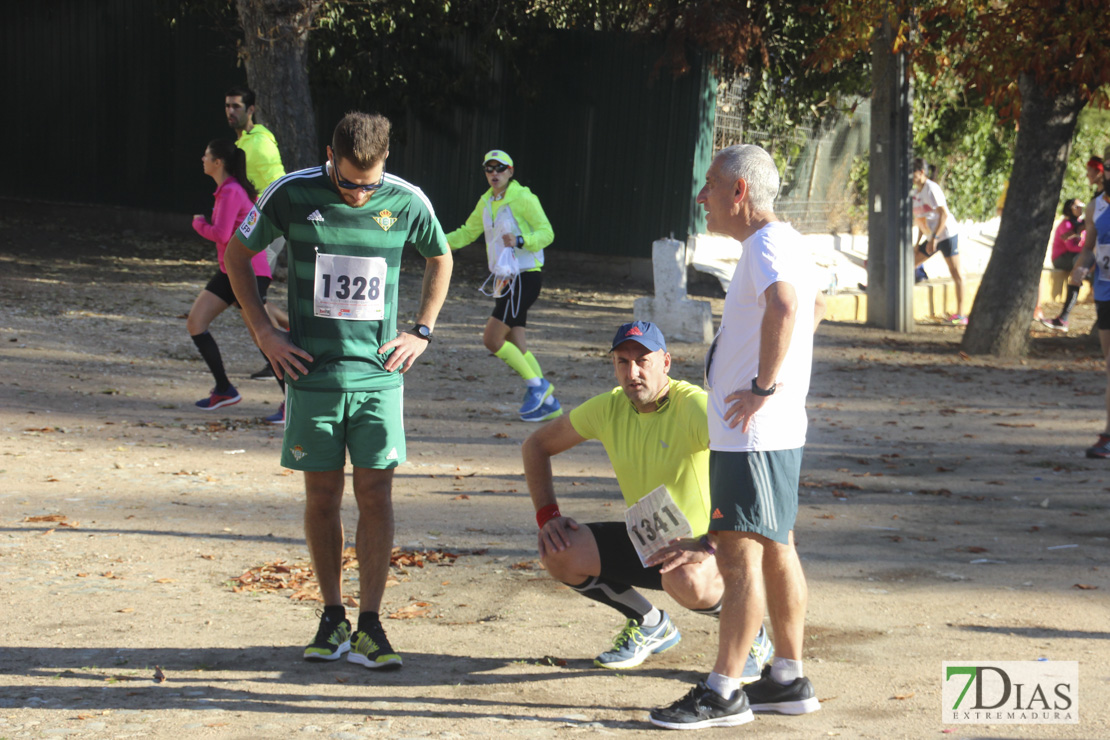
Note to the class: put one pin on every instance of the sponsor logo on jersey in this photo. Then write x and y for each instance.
(249, 223)
(344, 312)
(298, 452)
(385, 219)
(315, 216)
(717, 514)
(392, 454)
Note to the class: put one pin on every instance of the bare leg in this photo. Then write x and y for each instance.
(740, 559)
(1104, 339)
(323, 529)
(576, 563)
(278, 317)
(787, 597)
(205, 309)
(374, 541)
(495, 334)
(957, 281)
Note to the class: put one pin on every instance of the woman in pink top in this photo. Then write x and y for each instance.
(1067, 243)
(227, 165)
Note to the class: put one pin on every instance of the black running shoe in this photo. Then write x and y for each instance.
(332, 640)
(703, 707)
(797, 697)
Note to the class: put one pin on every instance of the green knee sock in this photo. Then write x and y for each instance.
(533, 363)
(510, 354)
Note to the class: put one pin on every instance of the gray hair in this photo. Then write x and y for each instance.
(753, 165)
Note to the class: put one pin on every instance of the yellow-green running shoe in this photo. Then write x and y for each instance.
(372, 651)
(332, 640)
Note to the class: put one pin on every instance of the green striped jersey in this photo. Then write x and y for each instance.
(344, 263)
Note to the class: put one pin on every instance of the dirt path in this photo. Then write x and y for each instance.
(947, 513)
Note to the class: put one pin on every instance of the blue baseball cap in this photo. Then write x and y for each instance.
(643, 332)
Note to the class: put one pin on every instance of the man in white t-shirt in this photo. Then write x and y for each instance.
(936, 232)
(757, 375)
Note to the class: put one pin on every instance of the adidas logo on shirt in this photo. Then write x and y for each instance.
(315, 216)
(392, 453)
(717, 514)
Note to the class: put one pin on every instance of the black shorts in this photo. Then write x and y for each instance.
(1065, 261)
(1102, 311)
(619, 561)
(949, 247)
(524, 294)
(220, 286)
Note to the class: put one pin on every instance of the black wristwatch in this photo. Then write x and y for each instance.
(519, 242)
(422, 331)
(760, 392)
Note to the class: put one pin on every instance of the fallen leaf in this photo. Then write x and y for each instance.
(552, 661)
(165, 580)
(341, 679)
(44, 518)
(501, 435)
(125, 610)
(975, 548)
(159, 677)
(904, 696)
(461, 497)
(412, 611)
(1085, 587)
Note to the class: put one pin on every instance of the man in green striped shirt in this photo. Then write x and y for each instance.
(346, 224)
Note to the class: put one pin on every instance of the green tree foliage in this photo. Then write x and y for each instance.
(964, 138)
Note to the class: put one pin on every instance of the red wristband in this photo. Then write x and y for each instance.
(546, 514)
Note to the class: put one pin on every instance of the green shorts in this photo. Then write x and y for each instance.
(321, 426)
(754, 492)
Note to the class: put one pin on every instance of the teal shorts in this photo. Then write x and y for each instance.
(754, 492)
(321, 426)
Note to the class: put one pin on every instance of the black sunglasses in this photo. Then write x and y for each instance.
(340, 182)
(496, 167)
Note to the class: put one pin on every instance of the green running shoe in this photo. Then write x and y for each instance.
(332, 640)
(373, 651)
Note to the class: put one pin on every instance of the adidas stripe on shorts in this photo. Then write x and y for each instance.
(321, 426)
(754, 492)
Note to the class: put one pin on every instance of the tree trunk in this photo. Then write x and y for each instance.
(275, 34)
(1004, 305)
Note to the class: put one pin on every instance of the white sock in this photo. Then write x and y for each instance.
(533, 382)
(652, 618)
(784, 671)
(724, 686)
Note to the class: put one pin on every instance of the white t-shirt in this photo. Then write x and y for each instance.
(773, 254)
(926, 200)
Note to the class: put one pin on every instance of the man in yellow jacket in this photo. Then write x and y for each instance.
(516, 232)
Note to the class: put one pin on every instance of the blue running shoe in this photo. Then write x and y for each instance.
(547, 411)
(636, 642)
(760, 655)
(278, 417)
(534, 396)
(218, 400)
(1100, 448)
